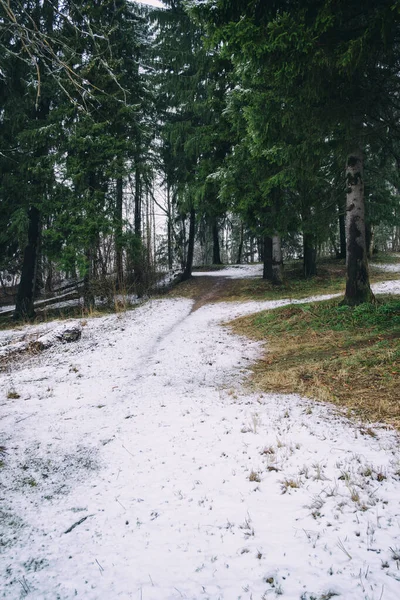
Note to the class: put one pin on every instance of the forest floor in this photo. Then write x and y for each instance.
(139, 463)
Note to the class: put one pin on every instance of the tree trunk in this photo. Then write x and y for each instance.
(39, 283)
(190, 251)
(358, 289)
(169, 229)
(49, 278)
(310, 255)
(138, 266)
(138, 204)
(342, 234)
(251, 249)
(396, 240)
(216, 246)
(119, 264)
(24, 308)
(88, 296)
(267, 252)
(240, 248)
(369, 240)
(277, 261)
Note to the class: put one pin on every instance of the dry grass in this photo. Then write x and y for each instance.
(330, 280)
(350, 358)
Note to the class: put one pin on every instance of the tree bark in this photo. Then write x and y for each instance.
(358, 288)
(118, 233)
(342, 234)
(138, 204)
(88, 296)
(309, 255)
(267, 268)
(396, 239)
(169, 229)
(251, 249)
(138, 265)
(369, 240)
(240, 248)
(216, 246)
(190, 251)
(277, 260)
(24, 308)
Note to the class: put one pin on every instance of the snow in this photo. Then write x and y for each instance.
(234, 272)
(395, 267)
(132, 468)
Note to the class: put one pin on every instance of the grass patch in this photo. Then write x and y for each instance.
(349, 356)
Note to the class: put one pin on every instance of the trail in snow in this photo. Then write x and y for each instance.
(173, 483)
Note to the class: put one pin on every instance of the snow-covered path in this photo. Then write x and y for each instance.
(136, 468)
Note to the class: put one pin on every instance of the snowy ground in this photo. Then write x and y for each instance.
(137, 467)
(234, 272)
(395, 267)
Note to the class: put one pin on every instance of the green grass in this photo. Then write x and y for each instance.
(350, 356)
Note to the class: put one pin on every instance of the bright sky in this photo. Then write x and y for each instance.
(150, 2)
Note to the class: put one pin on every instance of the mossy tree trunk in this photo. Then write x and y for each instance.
(358, 288)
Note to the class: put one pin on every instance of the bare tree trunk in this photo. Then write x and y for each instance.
(190, 251)
(39, 283)
(153, 218)
(138, 263)
(251, 249)
(49, 278)
(88, 296)
(24, 307)
(369, 240)
(138, 204)
(309, 255)
(169, 229)
(267, 258)
(277, 260)
(396, 239)
(118, 233)
(358, 288)
(240, 249)
(216, 246)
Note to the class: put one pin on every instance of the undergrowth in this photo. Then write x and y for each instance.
(350, 356)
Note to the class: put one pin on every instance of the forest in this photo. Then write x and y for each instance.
(138, 140)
